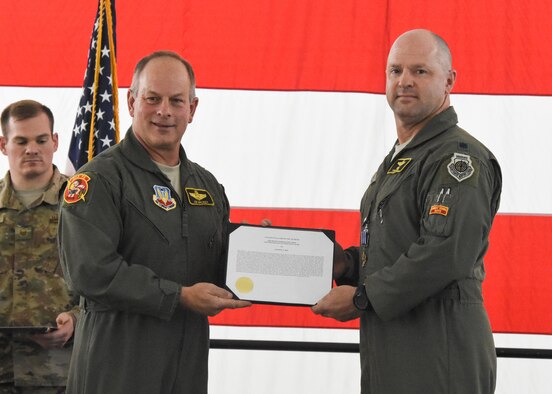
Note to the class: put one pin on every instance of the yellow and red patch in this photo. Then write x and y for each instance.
(439, 210)
(76, 189)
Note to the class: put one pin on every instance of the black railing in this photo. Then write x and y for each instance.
(329, 347)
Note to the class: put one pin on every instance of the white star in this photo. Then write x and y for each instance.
(96, 132)
(93, 43)
(76, 130)
(80, 144)
(79, 111)
(105, 51)
(105, 96)
(106, 142)
(91, 88)
(83, 125)
(87, 107)
(96, 24)
(101, 70)
(110, 80)
(100, 114)
(112, 124)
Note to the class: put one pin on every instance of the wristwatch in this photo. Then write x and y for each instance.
(360, 299)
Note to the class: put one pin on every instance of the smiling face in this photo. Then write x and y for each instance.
(419, 78)
(161, 108)
(30, 146)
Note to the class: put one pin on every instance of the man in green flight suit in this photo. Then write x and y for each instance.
(426, 218)
(143, 241)
(32, 289)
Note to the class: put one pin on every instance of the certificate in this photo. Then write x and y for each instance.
(279, 265)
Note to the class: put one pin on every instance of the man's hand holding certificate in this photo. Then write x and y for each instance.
(279, 265)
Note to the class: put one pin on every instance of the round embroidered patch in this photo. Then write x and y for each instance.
(76, 189)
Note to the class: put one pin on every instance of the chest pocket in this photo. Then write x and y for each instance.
(205, 242)
(30, 242)
(389, 189)
(438, 215)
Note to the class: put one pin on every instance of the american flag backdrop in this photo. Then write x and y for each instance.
(293, 120)
(96, 125)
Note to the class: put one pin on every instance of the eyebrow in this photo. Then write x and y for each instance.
(145, 92)
(21, 138)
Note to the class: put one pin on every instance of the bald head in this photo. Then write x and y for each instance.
(417, 37)
(419, 80)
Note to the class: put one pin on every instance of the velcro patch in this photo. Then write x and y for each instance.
(162, 198)
(200, 197)
(460, 167)
(439, 210)
(399, 165)
(76, 189)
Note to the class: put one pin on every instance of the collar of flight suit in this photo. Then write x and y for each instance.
(133, 150)
(437, 125)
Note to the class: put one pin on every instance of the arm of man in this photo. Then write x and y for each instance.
(89, 233)
(208, 299)
(57, 338)
(338, 303)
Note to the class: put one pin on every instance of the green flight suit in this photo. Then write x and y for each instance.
(426, 218)
(32, 289)
(128, 245)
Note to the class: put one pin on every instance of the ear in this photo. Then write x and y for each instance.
(193, 107)
(130, 102)
(55, 141)
(3, 142)
(451, 79)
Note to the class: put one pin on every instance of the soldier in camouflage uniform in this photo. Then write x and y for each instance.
(32, 289)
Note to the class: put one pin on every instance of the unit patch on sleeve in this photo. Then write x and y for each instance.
(162, 198)
(76, 189)
(199, 197)
(399, 165)
(460, 167)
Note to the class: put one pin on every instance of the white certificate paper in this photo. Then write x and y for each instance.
(280, 265)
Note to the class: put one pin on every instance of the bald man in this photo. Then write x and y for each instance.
(415, 281)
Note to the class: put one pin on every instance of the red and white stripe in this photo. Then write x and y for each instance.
(293, 121)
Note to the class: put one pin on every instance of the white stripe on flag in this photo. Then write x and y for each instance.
(320, 149)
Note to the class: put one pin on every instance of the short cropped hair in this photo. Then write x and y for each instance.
(134, 87)
(444, 51)
(24, 109)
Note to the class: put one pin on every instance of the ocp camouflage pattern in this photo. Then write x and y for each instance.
(32, 288)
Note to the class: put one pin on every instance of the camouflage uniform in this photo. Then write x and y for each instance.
(32, 289)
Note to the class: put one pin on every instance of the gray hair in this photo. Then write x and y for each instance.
(134, 87)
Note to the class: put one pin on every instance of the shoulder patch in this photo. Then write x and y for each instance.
(199, 197)
(460, 167)
(399, 165)
(76, 189)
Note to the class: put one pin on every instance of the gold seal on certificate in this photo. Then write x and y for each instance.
(244, 285)
(279, 265)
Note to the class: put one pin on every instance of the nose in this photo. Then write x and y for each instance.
(405, 79)
(164, 108)
(31, 148)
